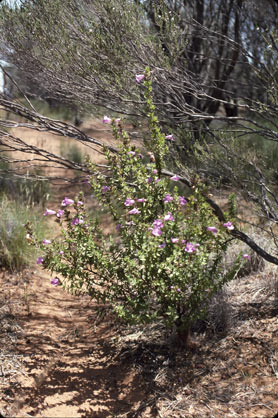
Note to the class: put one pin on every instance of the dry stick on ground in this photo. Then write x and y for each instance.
(57, 127)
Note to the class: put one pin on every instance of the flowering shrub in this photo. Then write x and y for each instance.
(163, 260)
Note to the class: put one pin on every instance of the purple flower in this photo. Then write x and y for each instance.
(168, 217)
(132, 153)
(175, 178)
(60, 213)
(106, 119)
(79, 203)
(247, 256)
(162, 245)
(139, 77)
(178, 289)
(46, 241)
(155, 171)
(129, 202)
(105, 189)
(168, 198)
(67, 202)
(140, 156)
(190, 247)
(157, 180)
(49, 212)
(229, 226)
(87, 180)
(77, 221)
(40, 260)
(149, 180)
(182, 200)
(212, 229)
(156, 231)
(61, 252)
(55, 281)
(169, 137)
(134, 211)
(118, 227)
(174, 240)
(158, 223)
(141, 200)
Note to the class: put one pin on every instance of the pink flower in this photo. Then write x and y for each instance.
(46, 241)
(55, 281)
(155, 171)
(158, 223)
(156, 231)
(175, 178)
(134, 211)
(229, 226)
(169, 137)
(79, 203)
(132, 153)
(60, 213)
(157, 180)
(106, 119)
(141, 200)
(139, 77)
(105, 189)
(168, 217)
(174, 240)
(40, 260)
(67, 202)
(182, 200)
(247, 256)
(168, 198)
(212, 229)
(118, 120)
(61, 252)
(190, 247)
(77, 221)
(129, 202)
(49, 212)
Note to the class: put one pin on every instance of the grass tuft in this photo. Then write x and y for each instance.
(15, 251)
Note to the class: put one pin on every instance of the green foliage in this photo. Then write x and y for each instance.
(161, 260)
(15, 252)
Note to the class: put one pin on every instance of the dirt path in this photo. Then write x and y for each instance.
(68, 362)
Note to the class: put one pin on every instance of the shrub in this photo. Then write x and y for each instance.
(72, 153)
(15, 253)
(29, 187)
(164, 259)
